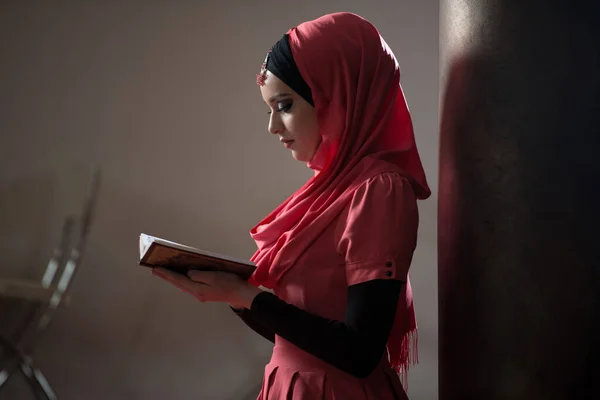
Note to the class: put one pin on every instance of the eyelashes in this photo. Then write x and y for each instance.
(282, 106)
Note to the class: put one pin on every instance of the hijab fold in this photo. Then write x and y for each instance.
(366, 130)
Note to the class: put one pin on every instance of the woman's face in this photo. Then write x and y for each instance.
(291, 118)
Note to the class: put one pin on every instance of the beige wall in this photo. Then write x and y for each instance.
(162, 95)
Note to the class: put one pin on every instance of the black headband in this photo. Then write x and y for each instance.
(280, 62)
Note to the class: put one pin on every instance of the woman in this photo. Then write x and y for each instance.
(337, 252)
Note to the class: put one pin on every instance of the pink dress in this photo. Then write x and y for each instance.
(373, 238)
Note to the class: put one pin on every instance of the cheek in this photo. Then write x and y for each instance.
(314, 133)
(309, 136)
(315, 139)
(306, 130)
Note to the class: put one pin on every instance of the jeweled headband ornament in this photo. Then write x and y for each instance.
(262, 76)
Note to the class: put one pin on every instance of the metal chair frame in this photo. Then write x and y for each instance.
(44, 299)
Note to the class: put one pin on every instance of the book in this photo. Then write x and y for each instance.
(157, 252)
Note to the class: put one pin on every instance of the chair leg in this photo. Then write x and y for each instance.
(35, 379)
(5, 375)
(11, 363)
(44, 384)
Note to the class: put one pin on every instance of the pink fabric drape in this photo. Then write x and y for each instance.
(366, 130)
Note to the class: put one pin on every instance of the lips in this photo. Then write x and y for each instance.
(287, 142)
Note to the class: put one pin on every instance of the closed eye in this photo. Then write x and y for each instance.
(282, 106)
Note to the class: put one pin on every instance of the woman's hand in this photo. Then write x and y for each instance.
(212, 286)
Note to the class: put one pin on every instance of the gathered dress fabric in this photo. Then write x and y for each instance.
(341, 256)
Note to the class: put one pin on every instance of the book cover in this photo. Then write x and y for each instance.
(157, 252)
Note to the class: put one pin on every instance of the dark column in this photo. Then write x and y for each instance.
(519, 200)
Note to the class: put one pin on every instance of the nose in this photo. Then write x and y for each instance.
(276, 126)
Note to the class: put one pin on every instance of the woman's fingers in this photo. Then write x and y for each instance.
(206, 277)
(169, 275)
(168, 278)
(182, 282)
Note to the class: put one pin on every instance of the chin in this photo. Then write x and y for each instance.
(300, 156)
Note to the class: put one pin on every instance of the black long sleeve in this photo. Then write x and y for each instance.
(354, 345)
(246, 316)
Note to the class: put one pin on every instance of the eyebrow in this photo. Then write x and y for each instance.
(278, 96)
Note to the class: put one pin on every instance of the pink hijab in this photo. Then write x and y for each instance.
(366, 130)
